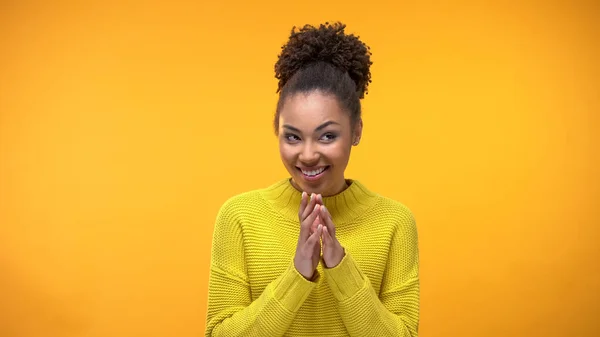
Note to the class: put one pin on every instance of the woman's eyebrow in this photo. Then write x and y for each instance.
(320, 127)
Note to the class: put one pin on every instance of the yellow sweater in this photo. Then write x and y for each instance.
(255, 290)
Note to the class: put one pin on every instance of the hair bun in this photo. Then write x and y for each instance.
(326, 43)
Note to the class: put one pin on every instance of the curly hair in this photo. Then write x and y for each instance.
(324, 58)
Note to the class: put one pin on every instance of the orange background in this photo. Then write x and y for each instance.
(125, 126)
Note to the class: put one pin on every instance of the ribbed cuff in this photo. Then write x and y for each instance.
(345, 279)
(292, 289)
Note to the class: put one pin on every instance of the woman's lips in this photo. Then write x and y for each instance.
(313, 175)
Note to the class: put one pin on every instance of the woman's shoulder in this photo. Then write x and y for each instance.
(259, 197)
(397, 215)
(253, 199)
(394, 209)
(243, 200)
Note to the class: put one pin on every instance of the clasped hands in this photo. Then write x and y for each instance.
(316, 225)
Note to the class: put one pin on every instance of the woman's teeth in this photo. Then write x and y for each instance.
(313, 173)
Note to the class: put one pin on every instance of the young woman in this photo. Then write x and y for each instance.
(315, 254)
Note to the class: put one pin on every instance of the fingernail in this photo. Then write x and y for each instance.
(319, 228)
(303, 195)
(316, 206)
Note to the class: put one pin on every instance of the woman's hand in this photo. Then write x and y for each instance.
(308, 250)
(333, 252)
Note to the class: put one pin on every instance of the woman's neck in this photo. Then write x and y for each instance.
(338, 188)
(345, 206)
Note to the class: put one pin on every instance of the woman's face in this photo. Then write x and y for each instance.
(315, 138)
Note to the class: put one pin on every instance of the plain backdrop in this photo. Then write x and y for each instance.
(125, 125)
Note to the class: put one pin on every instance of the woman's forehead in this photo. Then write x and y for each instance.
(312, 109)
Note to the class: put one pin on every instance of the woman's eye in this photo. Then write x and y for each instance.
(291, 138)
(329, 136)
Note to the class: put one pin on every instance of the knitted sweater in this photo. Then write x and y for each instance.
(255, 290)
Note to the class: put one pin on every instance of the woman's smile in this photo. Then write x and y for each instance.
(313, 174)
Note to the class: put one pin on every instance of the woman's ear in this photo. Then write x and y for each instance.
(357, 132)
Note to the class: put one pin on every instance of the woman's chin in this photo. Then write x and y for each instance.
(308, 186)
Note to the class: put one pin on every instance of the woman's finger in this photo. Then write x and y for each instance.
(309, 208)
(313, 227)
(305, 225)
(319, 201)
(316, 223)
(328, 221)
(314, 238)
(327, 239)
(303, 204)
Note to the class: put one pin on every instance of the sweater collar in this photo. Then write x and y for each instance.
(344, 206)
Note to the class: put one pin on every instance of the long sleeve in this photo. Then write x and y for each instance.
(395, 310)
(231, 311)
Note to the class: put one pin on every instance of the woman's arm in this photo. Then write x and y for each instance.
(395, 311)
(231, 311)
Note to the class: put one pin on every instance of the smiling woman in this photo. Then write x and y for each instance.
(315, 142)
(315, 254)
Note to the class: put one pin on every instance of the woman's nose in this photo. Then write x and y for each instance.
(309, 154)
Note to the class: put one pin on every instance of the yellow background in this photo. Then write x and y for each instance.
(124, 126)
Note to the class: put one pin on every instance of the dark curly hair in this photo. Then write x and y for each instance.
(324, 58)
